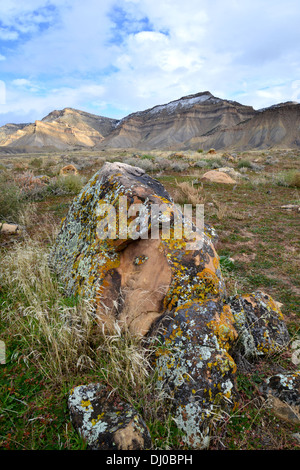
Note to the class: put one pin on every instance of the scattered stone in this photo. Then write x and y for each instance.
(259, 323)
(68, 170)
(9, 228)
(284, 386)
(291, 207)
(216, 176)
(105, 421)
(283, 410)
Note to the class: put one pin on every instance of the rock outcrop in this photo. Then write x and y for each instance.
(105, 422)
(134, 283)
(65, 129)
(282, 392)
(260, 324)
(163, 284)
(175, 125)
(68, 170)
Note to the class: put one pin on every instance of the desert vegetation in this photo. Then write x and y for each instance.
(52, 342)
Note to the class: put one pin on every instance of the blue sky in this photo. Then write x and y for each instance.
(116, 57)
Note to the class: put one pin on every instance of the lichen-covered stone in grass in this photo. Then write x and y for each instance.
(260, 324)
(285, 386)
(282, 392)
(105, 422)
(195, 366)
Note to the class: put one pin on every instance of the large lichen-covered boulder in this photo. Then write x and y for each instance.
(260, 324)
(106, 422)
(132, 279)
(163, 286)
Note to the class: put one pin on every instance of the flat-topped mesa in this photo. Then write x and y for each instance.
(132, 280)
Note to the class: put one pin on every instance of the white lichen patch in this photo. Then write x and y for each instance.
(80, 401)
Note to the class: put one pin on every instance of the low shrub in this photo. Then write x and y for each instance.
(70, 184)
(244, 164)
(289, 178)
(32, 187)
(11, 200)
(144, 163)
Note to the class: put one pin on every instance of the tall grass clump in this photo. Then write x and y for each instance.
(53, 331)
(189, 194)
(69, 184)
(11, 200)
(244, 164)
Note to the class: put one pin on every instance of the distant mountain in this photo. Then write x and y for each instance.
(275, 127)
(192, 122)
(65, 129)
(174, 124)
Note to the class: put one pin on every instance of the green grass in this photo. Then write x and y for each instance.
(52, 343)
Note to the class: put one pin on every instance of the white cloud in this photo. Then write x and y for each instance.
(21, 82)
(138, 53)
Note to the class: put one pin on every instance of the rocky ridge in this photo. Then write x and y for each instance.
(191, 122)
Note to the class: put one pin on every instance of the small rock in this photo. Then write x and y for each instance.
(105, 422)
(68, 170)
(9, 228)
(283, 410)
(216, 176)
(285, 386)
(260, 324)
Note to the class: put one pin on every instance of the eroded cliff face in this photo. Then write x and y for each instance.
(277, 126)
(192, 122)
(173, 125)
(62, 129)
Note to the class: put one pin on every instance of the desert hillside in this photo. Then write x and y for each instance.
(199, 121)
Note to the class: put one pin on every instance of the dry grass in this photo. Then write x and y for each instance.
(189, 193)
(54, 331)
(60, 336)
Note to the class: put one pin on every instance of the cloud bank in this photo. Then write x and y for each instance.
(113, 58)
